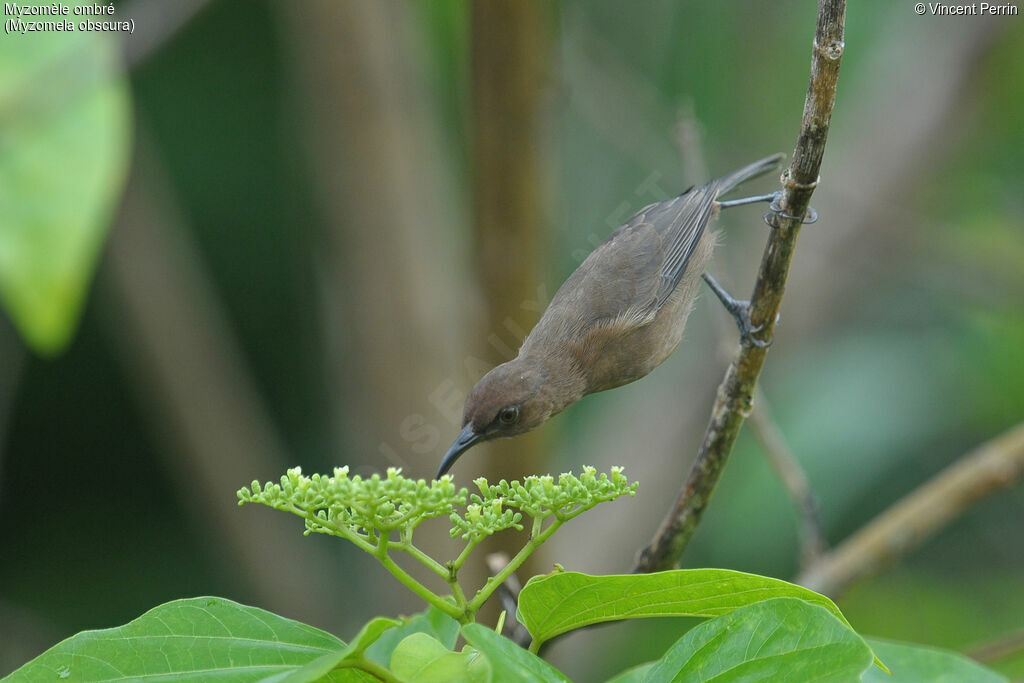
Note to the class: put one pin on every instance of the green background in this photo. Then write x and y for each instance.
(899, 347)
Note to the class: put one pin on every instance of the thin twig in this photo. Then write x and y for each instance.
(992, 466)
(508, 594)
(735, 394)
(1000, 648)
(812, 539)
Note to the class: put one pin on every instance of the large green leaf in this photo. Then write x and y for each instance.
(782, 639)
(325, 664)
(348, 676)
(921, 664)
(560, 602)
(424, 659)
(510, 662)
(195, 639)
(433, 622)
(64, 145)
(634, 674)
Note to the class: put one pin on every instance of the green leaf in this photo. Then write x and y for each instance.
(510, 662)
(198, 639)
(634, 674)
(323, 665)
(369, 633)
(433, 622)
(925, 664)
(782, 639)
(64, 150)
(560, 602)
(348, 675)
(424, 659)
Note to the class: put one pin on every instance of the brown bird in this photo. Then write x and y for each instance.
(618, 316)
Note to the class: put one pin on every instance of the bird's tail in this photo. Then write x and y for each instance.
(726, 183)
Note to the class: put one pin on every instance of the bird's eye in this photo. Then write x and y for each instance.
(509, 415)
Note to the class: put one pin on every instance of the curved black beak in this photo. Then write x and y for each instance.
(463, 442)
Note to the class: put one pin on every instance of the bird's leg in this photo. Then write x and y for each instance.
(810, 217)
(747, 200)
(740, 311)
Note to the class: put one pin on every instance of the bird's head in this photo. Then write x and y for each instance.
(510, 399)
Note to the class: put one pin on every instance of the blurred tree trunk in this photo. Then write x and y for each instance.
(391, 297)
(386, 187)
(511, 46)
(389, 270)
(510, 53)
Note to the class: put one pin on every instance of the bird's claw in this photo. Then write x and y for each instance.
(747, 329)
(740, 312)
(775, 212)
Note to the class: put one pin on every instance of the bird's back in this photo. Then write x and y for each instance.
(604, 315)
(623, 310)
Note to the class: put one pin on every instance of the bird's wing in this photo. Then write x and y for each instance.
(626, 280)
(617, 283)
(680, 222)
(630, 275)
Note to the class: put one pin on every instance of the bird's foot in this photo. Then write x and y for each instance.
(740, 311)
(811, 216)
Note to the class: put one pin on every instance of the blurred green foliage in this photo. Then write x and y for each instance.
(64, 143)
(911, 361)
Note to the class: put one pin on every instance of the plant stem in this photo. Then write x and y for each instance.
(461, 559)
(356, 539)
(431, 564)
(380, 551)
(460, 597)
(492, 584)
(421, 590)
(735, 394)
(369, 666)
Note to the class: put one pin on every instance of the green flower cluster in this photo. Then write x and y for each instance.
(379, 515)
(362, 506)
(379, 505)
(540, 497)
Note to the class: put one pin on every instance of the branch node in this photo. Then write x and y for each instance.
(832, 51)
(790, 184)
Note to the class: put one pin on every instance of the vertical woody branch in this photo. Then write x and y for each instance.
(735, 394)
